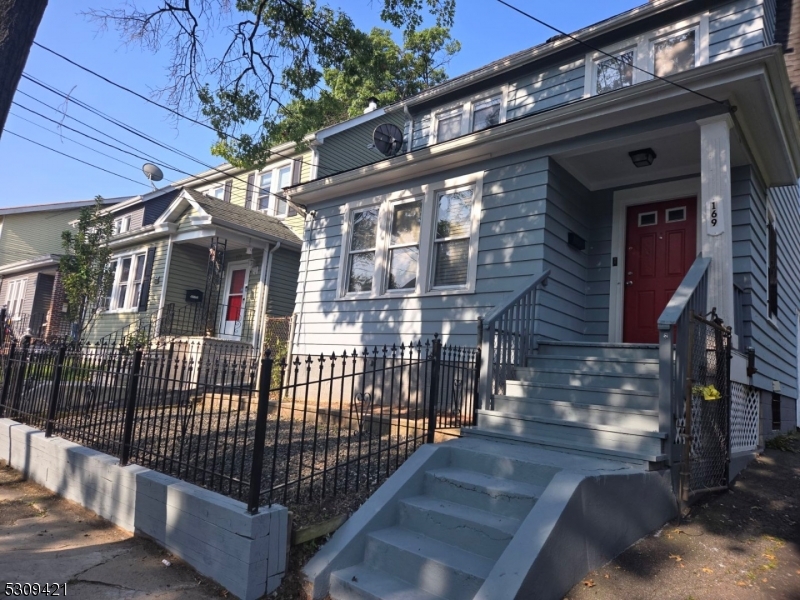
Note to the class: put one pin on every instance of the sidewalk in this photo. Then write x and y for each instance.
(46, 539)
(740, 545)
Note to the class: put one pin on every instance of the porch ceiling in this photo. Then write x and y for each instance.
(608, 165)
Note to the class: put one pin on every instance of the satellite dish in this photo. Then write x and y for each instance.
(153, 173)
(388, 139)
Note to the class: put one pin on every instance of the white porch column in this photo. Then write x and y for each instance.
(715, 190)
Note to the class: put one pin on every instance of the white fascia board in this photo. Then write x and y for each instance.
(645, 100)
(39, 262)
(142, 235)
(530, 55)
(320, 135)
(183, 201)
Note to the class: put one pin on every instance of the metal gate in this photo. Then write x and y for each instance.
(708, 408)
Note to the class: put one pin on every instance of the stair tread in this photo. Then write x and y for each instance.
(585, 388)
(562, 443)
(590, 373)
(567, 423)
(431, 504)
(496, 484)
(432, 549)
(648, 412)
(594, 358)
(379, 584)
(600, 345)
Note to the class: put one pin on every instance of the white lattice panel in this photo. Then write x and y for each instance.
(744, 417)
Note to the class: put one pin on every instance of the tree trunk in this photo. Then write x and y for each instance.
(19, 20)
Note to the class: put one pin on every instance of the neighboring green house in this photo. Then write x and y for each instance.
(189, 264)
(30, 250)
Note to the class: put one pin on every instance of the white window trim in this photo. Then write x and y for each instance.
(209, 191)
(125, 224)
(643, 55)
(467, 107)
(424, 285)
(22, 285)
(274, 169)
(115, 285)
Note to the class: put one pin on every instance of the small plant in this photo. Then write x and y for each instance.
(783, 442)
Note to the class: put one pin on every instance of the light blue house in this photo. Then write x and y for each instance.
(643, 169)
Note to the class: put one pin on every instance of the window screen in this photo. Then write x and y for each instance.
(451, 243)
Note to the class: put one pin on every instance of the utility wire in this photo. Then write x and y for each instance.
(616, 58)
(153, 102)
(69, 139)
(148, 138)
(74, 158)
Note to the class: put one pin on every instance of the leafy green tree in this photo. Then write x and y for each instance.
(86, 272)
(287, 67)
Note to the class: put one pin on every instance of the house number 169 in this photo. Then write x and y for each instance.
(715, 223)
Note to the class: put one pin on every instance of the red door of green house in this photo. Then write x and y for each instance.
(234, 299)
(660, 247)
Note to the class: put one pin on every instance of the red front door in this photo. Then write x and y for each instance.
(660, 246)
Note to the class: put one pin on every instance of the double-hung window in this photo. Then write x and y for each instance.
(122, 224)
(614, 72)
(270, 183)
(217, 192)
(128, 274)
(675, 53)
(15, 297)
(448, 124)
(486, 113)
(416, 241)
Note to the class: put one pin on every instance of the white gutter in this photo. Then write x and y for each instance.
(34, 263)
(263, 294)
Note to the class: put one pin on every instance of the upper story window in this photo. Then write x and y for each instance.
(486, 113)
(614, 73)
(660, 53)
(675, 53)
(122, 224)
(415, 241)
(448, 124)
(269, 183)
(127, 287)
(217, 192)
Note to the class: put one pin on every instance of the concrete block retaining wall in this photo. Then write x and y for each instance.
(216, 535)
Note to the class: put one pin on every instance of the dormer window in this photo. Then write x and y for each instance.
(270, 183)
(122, 224)
(674, 54)
(448, 125)
(217, 192)
(614, 73)
(486, 113)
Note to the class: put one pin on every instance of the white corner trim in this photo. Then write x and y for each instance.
(647, 194)
(164, 282)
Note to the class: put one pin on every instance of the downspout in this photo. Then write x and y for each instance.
(266, 271)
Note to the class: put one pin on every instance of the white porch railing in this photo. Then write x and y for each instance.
(506, 335)
(673, 345)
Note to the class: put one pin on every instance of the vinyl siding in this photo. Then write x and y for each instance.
(187, 271)
(30, 235)
(775, 342)
(528, 207)
(283, 283)
(44, 293)
(349, 149)
(739, 27)
(109, 322)
(551, 87)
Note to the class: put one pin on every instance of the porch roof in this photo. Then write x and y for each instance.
(31, 264)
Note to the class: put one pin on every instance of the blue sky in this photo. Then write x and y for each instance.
(33, 175)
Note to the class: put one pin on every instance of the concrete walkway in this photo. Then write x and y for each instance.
(46, 539)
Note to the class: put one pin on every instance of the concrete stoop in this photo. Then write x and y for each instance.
(479, 518)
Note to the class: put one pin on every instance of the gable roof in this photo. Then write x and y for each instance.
(56, 206)
(226, 213)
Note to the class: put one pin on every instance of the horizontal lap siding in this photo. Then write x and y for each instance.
(737, 28)
(775, 343)
(510, 251)
(107, 323)
(350, 148)
(30, 235)
(555, 86)
(420, 132)
(598, 266)
(187, 271)
(283, 282)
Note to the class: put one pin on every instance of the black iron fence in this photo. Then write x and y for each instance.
(214, 413)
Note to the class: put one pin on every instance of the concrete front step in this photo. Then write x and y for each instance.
(504, 497)
(583, 395)
(482, 532)
(579, 378)
(570, 446)
(588, 349)
(362, 583)
(608, 437)
(598, 414)
(594, 364)
(433, 566)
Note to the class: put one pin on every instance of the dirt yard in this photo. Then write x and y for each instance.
(739, 545)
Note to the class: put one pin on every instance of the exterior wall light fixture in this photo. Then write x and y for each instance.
(643, 157)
